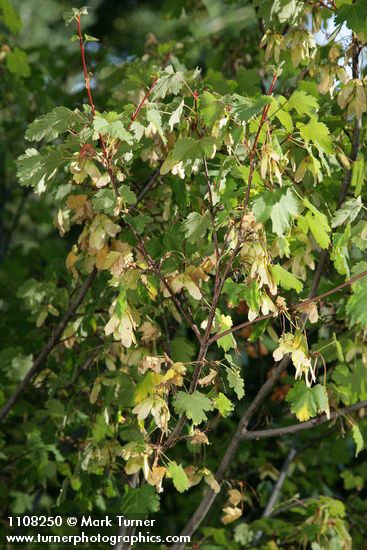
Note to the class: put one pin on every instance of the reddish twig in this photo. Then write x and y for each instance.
(254, 146)
(93, 109)
(146, 96)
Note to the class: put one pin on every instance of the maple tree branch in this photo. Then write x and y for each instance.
(212, 215)
(266, 388)
(93, 108)
(152, 264)
(301, 426)
(299, 305)
(142, 102)
(254, 147)
(56, 336)
(147, 94)
(219, 282)
(280, 481)
(209, 498)
(38, 362)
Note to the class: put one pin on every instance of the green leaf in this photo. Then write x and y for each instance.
(142, 500)
(73, 14)
(179, 477)
(138, 222)
(280, 206)
(10, 17)
(286, 279)
(282, 115)
(223, 404)
(318, 231)
(211, 108)
(188, 149)
(37, 169)
(17, 63)
(95, 392)
(175, 117)
(121, 303)
(88, 38)
(245, 107)
(351, 382)
(193, 406)
(235, 381)
(127, 195)
(155, 118)
(357, 303)
(358, 174)
(307, 402)
(318, 133)
(353, 14)
(348, 212)
(104, 201)
(196, 226)
(357, 306)
(358, 439)
(223, 323)
(340, 254)
(182, 349)
(146, 386)
(56, 122)
(169, 83)
(318, 224)
(111, 126)
(302, 102)
(243, 534)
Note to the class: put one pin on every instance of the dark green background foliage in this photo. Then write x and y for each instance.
(72, 443)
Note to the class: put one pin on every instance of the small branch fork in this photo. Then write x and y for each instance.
(254, 147)
(152, 264)
(141, 104)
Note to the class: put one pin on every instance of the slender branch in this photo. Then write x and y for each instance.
(152, 264)
(280, 482)
(137, 110)
(277, 488)
(93, 109)
(254, 147)
(147, 185)
(212, 215)
(38, 362)
(7, 235)
(299, 305)
(149, 91)
(301, 426)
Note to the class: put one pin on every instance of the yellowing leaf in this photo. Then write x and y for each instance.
(223, 404)
(318, 133)
(358, 438)
(231, 514)
(308, 402)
